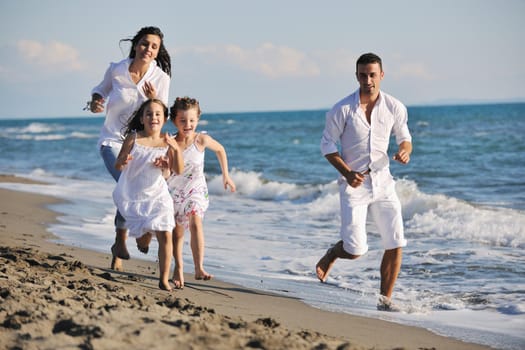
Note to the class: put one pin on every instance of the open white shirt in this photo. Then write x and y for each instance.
(124, 97)
(364, 146)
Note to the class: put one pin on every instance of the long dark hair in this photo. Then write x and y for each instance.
(163, 58)
(134, 123)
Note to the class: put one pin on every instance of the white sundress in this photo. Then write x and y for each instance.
(189, 190)
(142, 195)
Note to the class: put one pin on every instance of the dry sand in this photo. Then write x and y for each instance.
(61, 297)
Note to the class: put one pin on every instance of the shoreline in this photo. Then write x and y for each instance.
(128, 308)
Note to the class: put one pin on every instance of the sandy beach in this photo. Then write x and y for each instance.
(54, 296)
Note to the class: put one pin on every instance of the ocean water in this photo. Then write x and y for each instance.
(463, 197)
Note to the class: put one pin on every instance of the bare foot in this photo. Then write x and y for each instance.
(165, 286)
(116, 264)
(203, 275)
(324, 265)
(119, 250)
(178, 278)
(143, 242)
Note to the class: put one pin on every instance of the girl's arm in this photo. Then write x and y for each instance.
(208, 142)
(124, 155)
(175, 159)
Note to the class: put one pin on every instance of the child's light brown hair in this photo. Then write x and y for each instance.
(183, 104)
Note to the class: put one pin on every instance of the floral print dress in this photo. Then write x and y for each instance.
(189, 190)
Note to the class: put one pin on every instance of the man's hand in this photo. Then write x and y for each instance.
(355, 179)
(402, 157)
(403, 153)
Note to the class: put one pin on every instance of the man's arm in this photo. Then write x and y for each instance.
(403, 152)
(353, 178)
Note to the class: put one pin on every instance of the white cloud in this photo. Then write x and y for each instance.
(338, 62)
(412, 70)
(268, 60)
(54, 55)
(281, 62)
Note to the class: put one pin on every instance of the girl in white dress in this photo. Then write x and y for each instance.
(141, 194)
(189, 190)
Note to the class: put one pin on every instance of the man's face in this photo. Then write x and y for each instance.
(369, 77)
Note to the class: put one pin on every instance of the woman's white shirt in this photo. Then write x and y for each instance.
(124, 97)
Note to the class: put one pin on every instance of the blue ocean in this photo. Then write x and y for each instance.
(463, 197)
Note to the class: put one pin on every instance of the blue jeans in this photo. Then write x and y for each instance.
(109, 156)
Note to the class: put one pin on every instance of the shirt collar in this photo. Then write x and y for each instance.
(355, 103)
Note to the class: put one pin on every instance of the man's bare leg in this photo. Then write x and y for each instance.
(390, 267)
(324, 265)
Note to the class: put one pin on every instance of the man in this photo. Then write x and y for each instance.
(362, 124)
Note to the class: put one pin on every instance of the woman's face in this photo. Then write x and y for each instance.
(147, 48)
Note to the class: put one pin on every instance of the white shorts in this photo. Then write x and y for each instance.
(384, 210)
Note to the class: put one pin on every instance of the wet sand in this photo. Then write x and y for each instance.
(54, 296)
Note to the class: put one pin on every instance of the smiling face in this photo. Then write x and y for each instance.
(153, 117)
(186, 122)
(147, 48)
(369, 77)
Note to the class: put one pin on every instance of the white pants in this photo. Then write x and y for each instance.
(385, 212)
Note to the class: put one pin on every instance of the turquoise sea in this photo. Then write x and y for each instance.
(463, 197)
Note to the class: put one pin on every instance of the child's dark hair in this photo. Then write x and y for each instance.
(134, 123)
(183, 104)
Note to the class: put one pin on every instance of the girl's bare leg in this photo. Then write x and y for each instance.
(165, 251)
(178, 243)
(197, 248)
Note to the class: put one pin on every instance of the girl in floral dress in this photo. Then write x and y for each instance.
(189, 190)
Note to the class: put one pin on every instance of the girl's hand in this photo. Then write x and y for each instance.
(126, 161)
(121, 163)
(162, 162)
(171, 142)
(227, 181)
(149, 90)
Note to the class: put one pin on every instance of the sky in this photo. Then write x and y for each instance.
(272, 55)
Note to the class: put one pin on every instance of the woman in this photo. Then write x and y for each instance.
(144, 75)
